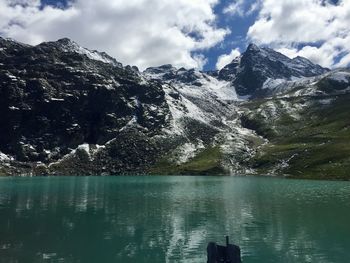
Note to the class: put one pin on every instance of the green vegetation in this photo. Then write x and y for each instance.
(306, 140)
(316, 146)
(206, 162)
(2, 172)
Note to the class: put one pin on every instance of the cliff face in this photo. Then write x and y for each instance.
(72, 111)
(57, 96)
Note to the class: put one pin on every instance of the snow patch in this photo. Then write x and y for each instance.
(326, 101)
(13, 108)
(5, 157)
(222, 89)
(181, 108)
(134, 120)
(187, 151)
(12, 77)
(272, 83)
(56, 99)
(90, 149)
(85, 147)
(92, 54)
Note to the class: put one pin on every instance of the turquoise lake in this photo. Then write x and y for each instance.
(171, 219)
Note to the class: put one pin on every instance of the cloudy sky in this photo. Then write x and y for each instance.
(193, 33)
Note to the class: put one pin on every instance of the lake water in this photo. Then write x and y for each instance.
(171, 219)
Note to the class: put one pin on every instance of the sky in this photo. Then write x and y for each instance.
(204, 34)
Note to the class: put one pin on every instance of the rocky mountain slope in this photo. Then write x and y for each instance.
(67, 110)
(259, 68)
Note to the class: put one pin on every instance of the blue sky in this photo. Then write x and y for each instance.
(56, 3)
(238, 26)
(190, 33)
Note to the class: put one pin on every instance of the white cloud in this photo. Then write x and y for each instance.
(235, 8)
(201, 60)
(344, 62)
(242, 8)
(225, 59)
(320, 28)
(137, 32)
(254, 7)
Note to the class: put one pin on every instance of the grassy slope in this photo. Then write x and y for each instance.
(206, 162)
(317, 146)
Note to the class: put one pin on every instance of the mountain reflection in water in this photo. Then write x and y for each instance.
(171, 219)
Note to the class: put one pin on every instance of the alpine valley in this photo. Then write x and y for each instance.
(67, 110)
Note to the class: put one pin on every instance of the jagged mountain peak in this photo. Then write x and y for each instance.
(256, 65)
(304, 61)
(257, 53)
(160, 69)
(299, 58)
(168, 72)
(65, 40)
(253, 47)
(63, 43)
(166, 66)
(270, 54)
(11, 44)
(6, 39)
(67, 45)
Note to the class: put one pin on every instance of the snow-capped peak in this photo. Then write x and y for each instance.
(67, 45)
(256, 65)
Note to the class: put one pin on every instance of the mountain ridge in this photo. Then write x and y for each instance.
(69, 110)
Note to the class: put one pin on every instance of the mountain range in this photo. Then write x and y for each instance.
(68, 110)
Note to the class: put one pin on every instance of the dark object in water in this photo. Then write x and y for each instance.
(229, 254)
